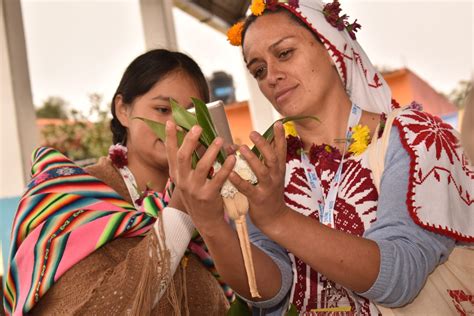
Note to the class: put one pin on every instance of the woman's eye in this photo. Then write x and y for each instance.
(285, 54)
(259, 72)
(162, 110)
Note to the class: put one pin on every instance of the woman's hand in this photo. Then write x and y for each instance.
(199, 194)
(176, 201)
(266, 199)
(203, 202)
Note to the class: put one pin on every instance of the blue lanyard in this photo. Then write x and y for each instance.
(326, 204)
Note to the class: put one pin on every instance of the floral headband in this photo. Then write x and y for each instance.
(331, 12)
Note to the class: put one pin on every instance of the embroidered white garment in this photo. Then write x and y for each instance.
(439, 167)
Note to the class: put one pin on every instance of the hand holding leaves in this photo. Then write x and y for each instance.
(200, 191)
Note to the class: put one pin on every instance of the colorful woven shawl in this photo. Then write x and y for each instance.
(64, 215)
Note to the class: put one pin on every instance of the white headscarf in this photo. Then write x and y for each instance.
(364, 84)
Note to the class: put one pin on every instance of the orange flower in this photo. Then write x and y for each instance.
(234, 34)
(257, 7)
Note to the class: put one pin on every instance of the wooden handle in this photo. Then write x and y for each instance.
(236, 208)
(242, 232)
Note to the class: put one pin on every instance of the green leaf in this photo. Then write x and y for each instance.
(209, 132)
(204, 119)
(181, 116)
(160, 130)
(269, 135)
(292, 311)
(239, 308)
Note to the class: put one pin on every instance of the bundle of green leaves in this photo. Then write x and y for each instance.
(186, 120)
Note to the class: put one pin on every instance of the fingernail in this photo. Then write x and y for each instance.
(244, 149)
(218, 141)
(196, 129)
(230, 159)
(254, 135)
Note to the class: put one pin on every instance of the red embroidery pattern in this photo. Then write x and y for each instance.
(431, 130)
(299, 187)
(355, 211)
(464, 303)
(438, 164)
(375, 78)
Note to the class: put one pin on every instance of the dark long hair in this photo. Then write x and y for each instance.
(144, 72)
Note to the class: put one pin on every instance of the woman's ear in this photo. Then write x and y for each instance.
(121, 110)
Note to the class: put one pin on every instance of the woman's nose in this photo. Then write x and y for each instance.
(275, 73)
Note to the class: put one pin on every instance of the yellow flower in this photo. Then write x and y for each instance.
(234, 34)
(257, 7)
(357, 148)
(361, 133)
(290, 129)
(360, 139)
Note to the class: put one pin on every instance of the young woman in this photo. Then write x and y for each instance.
(89, 242)
(357, 233)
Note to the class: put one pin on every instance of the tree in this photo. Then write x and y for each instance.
(79, 138)
(53, 107)
(458, 95)
(98, 136)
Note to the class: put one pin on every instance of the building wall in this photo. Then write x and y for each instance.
(238, 115)
(401, 89)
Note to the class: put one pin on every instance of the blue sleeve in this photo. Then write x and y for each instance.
(408, 252)
(278, 304)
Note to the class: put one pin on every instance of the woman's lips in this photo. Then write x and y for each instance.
(283, 94)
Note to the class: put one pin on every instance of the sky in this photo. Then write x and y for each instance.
(78, 47)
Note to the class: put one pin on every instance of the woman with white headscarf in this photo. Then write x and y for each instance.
(366, 202)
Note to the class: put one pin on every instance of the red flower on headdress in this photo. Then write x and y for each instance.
(118, 155)
(331, 12)
(352, 28)
(294, 3)
(271, 4)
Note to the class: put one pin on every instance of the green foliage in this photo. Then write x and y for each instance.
(53, 107)
(160, 131)
(79, 138)
(186, 120)
(182, 117)
(458, 95)
(292, 311)
(239, 308)
(208, 129)
(268, 135)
